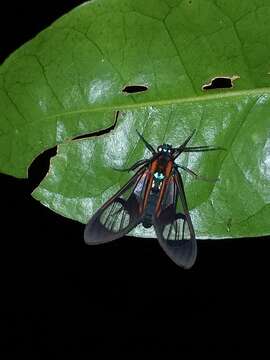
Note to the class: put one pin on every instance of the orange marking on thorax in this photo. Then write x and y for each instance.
(167, 172)
(152, 170)
(155, 166)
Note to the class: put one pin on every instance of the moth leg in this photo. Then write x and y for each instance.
(202, 148)
(134, 166)
(198, 177)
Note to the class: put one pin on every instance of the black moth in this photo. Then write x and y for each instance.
(154, 196)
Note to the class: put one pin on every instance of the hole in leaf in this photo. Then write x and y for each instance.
(99, 132)
(221, 82)
(40, 166)
(132, 89)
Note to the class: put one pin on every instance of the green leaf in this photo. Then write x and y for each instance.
(68, 81)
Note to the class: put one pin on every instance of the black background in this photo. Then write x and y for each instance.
(59, 294)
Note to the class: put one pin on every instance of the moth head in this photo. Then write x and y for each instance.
(165, 149)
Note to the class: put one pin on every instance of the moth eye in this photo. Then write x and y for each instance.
(169, 151)
(159, 149)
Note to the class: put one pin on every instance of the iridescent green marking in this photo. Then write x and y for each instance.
(159, 176)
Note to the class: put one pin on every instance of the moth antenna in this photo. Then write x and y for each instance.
(180, 148)
(149, 147)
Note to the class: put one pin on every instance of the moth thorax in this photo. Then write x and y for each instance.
(157, 180)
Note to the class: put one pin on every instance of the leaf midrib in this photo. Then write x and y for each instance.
(165, 102)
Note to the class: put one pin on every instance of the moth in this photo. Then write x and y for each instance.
(154, 196)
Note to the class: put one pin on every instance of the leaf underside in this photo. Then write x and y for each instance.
(69, 81)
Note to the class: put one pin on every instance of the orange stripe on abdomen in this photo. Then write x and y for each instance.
(168, 170)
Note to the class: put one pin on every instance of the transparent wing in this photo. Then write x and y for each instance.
(173, 224)
(120, 214)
